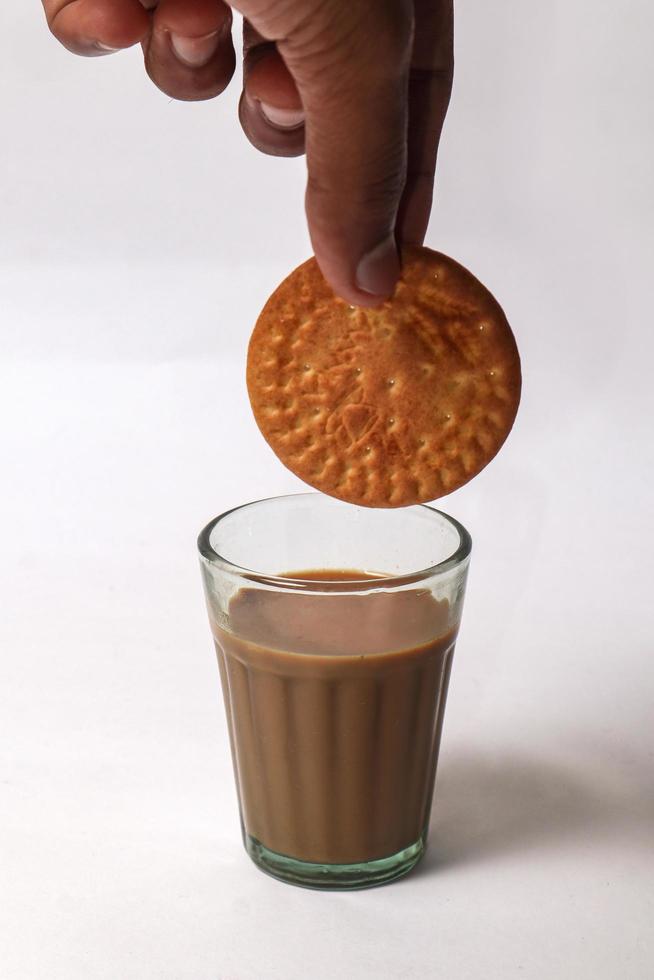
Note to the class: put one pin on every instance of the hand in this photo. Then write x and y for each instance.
(362, 85)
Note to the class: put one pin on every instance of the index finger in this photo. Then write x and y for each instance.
(96, 27)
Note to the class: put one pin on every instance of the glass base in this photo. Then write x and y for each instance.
(341, 877)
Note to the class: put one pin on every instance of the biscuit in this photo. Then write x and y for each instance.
(391, 406)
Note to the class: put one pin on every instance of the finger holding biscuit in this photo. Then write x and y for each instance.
(350, 65)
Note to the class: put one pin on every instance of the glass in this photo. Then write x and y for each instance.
(335, 628)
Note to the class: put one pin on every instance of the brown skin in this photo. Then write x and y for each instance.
(364, 85)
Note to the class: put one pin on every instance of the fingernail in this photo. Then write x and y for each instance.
(195, 51)
(105, 48)
(282, 118)
(379, 269)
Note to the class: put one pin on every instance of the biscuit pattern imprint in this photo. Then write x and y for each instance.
(390, 406)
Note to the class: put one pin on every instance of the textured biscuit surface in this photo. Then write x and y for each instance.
(390, 406)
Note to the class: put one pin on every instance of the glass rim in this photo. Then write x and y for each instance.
(216, 560)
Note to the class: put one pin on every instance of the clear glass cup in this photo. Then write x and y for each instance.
(335, 628)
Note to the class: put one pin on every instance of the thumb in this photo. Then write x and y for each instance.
(350, 62)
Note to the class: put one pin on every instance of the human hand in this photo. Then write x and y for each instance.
(362, 85)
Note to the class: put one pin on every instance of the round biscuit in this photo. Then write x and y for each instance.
(391, 406)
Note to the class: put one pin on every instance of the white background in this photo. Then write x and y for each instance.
(138, 240)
